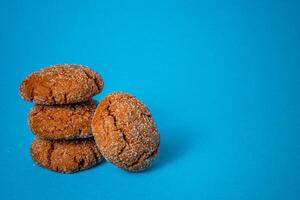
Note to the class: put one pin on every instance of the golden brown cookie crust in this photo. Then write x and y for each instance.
(125, 132)
(71, 121)
(65, 156)
(61, 84)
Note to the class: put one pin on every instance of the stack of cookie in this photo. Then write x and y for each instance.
(61, 118)
(65, 119)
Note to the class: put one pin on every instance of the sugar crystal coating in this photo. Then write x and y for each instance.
(61, 84)
(71, 121)
(65, 156)
(125, 132)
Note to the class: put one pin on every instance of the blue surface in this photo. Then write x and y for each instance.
(221, 79)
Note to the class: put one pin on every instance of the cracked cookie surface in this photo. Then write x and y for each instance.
(125, 132)
(65, 156)
(71, 121)
(61, 84)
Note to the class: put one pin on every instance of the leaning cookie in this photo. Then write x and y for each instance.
(61, 84)
(125, 132)
(71, 121)
(65, 156)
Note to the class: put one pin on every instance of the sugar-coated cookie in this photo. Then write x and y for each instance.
(61, 84)
(65, 156)
(71, 121)
(125, 132)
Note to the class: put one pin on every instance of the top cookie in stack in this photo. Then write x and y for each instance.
(61, 84)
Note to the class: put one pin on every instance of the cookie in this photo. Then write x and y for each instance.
(125, 132)
(71, 121)
(61, 84)
(65, 156)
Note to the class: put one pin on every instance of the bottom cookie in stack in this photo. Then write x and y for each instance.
(65, 156)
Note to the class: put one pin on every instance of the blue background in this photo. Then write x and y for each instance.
(221, 79)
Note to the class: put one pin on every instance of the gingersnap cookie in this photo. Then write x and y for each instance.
(70, 121)
(61, 84)
(65, 156)
(125, 132)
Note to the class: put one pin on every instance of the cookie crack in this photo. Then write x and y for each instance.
(65, 98)
(146, 115)
(119, 129)
(138, 161)
(152, 154)
(92, 78)
(50, 151)
(31, 94)
(80, 162)
(36, 111)
(122, 150)
(142, 157)
(109, 112)
(96, 83)
(94, 155)
(50, 96)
